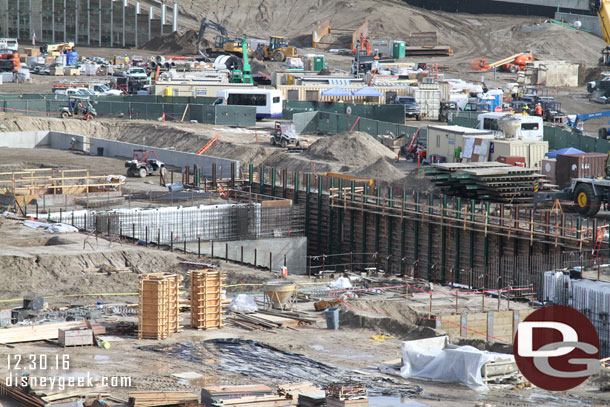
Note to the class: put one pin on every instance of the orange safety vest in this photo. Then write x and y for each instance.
(538, 110)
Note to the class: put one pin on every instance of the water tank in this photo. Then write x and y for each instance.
(71, 58)
(510, 124)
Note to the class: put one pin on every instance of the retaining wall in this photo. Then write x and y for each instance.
(111, 148)
(42, 139)
(590, 23)
(295, 249)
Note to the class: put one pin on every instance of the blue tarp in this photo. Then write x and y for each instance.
(336, 91)
(367, 91)
(567, 150)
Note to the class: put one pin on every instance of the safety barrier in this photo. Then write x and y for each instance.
(202, 113)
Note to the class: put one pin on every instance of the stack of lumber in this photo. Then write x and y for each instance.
(439, 50)
(159, 306)
(42, 332)
(294, 391)
(249, 395)
(269, 319)
(160, 398)
(23, 399)
(490, 181)
(206, 301)
(346, 394)
(78, 392)
(215, 394)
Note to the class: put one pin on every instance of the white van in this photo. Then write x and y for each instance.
(9, 43)
(531, 128)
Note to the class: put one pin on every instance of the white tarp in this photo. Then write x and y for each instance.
(51, 228)
(436, 360)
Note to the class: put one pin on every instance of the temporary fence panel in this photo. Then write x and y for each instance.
(235, 115)
(305, 122)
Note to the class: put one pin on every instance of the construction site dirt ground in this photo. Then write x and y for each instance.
(351, 347)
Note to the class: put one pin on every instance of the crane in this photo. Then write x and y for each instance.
(602, 8)
(577, 123)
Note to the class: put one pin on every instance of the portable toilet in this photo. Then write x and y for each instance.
(399, 49)
(71, 58)
(489, 99)
(318, 63)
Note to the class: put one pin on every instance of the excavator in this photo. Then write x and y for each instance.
(222, 43)
(602, 8)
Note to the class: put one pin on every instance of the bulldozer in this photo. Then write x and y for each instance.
(277, 50)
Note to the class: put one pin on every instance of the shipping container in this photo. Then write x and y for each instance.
(443, 140)
(533, 151)
(549, 165)
(429, 101)
(585, 165)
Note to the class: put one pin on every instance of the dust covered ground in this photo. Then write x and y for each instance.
(353, 153)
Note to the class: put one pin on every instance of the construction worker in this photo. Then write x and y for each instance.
(538, 110)
(526, 110)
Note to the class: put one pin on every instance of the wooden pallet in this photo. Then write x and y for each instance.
(206, 302)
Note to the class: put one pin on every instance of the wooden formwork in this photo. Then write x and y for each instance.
(206, 301)
(159, 306)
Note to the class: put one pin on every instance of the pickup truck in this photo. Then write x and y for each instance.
(411, 106)
(135, 73)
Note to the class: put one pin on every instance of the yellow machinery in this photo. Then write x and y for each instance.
(277, 50)
(602, 8)
(56, 49)
(222, 43)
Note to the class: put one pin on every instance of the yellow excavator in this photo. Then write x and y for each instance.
(602, 8)
(277, 50)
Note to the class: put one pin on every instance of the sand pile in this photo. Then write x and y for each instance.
(381, 170)
(174, 43)
(349, 148)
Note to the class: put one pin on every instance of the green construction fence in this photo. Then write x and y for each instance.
(202, 113)
(334, 123)
(386, 113)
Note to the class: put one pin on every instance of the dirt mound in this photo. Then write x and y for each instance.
(489, 36)
(381, 170)
(418, 181)
(349, 148)
(175, 43)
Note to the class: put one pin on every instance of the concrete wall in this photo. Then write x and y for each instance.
(546, 8)
(179, 159)
(590, 23)
(295, 249)
(42, 139)
(573, 4)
